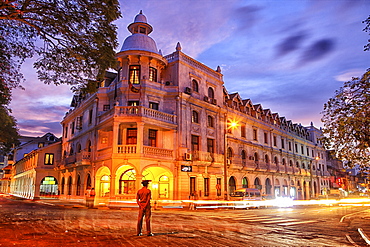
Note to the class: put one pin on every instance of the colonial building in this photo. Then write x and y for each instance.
(32, 174)
(170, 119)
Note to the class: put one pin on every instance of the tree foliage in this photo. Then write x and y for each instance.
(346, 119)
(367, 29)
(74, 40)
(73, 43)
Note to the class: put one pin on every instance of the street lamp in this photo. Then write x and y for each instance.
(229, 124)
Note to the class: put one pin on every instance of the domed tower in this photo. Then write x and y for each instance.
(140, 61)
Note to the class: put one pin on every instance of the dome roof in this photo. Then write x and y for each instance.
(140, 18)
(141, 42)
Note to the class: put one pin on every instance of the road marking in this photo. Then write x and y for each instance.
(297, 223)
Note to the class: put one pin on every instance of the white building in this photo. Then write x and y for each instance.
(170, 119)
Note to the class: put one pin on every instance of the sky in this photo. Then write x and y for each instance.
(287, 55)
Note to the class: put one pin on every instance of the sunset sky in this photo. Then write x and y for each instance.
(289, 56)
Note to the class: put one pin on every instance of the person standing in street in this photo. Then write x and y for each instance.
(143, 197)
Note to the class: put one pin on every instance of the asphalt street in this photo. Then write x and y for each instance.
(40, 223)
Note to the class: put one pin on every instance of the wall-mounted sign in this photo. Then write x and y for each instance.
(186, 168)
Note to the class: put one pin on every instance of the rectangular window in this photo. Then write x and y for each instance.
(106, 107)
(282, 143)
(152, 138)
(131, 138)
(218, 186)
(134, 74)
(290, 146)
(49, 159)
(79, 123)
(265, 137)
(302, 152)
(133, 103)
(308, 152)
(206, 186)
(210, 145)
(152, 74)
(90, 116)
(72, 128)
(153, 106)
(66, 132)
(194, 143)
(192, 186)
(296, 147)
(275, 144)
(243, 131)
(255, 134)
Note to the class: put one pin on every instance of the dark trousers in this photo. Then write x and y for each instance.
(147, 213)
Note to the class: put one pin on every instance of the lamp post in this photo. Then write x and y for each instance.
(228, 125)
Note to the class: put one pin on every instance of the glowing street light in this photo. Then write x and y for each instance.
(229, 125)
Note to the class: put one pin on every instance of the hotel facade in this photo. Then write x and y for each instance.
(170, 119)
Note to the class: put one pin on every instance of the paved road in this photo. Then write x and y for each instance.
(26, 223)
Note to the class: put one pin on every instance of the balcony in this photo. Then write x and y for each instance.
(137, 111)
(147, 151)
(81, 158)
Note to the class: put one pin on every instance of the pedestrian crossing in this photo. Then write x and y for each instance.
(268, 219)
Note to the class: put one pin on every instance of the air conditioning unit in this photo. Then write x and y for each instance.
(228, 162)
(205, 98)
(214, 101)
(188, 157)
(188, 90)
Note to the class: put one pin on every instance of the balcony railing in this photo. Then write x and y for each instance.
(147, 151)
(137, 111)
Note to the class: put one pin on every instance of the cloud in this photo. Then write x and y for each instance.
(290, 44)
(318, 50)
(348, 75)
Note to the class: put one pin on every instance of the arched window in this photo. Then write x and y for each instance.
(255, 156)
(232, 185)
(276, 160)
(69, 186)
(78, 186)
(195, 86)
(290, 163)
(268, 186)
(211, 93)
(71, 151)
(127, 182)
(88, 182)
(303, 166)
(245, 182)
(88, 146)
(267, 159)
(284, 162)
(195, 117)
(79, 148)
(297, 164)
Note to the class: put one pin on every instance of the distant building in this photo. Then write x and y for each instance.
(170, 119)
(32, 173)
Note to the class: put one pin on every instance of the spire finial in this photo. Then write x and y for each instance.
(178, 46)
(141, 12)
(218, 69)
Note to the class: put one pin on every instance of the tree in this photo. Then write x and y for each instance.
(8, 132)
(367, 29)
(73, 43)
(346, 119)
